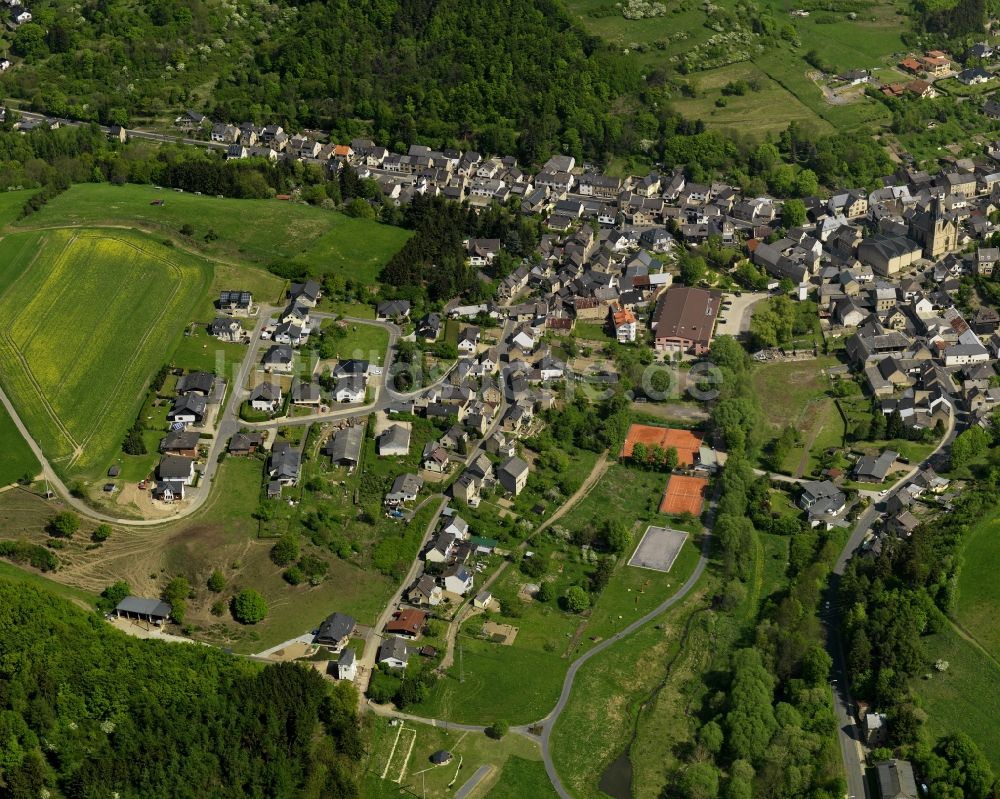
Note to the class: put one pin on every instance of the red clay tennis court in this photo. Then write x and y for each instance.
(684, 495)
(684, 441)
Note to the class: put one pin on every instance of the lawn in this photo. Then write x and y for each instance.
(794, 393)
(16, 458)
(514, 762)
(964, 698)
(978, 587)
(87, 318)
(367, 342)
(258, 231)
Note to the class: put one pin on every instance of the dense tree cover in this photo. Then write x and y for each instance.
(893, 599)
(432, 264)
(513, 77)
(86, 711)
(779, 321)
(737, 416)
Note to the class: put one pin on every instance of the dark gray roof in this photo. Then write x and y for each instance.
(345, 445)
(335, 627)
(143, 606)
(196, 381)
(175, 467)
(896, 780)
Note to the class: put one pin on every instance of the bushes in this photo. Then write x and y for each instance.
(249, 607)
(64, 524)
(34, 555)
(286, 550)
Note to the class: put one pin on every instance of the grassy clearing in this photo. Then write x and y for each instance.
(750, 113)
(11, 203)
(16, 458)
(978, 587)
(964, 698)
(14, 574)
(221, 535)
(520, 778)
(367, 342)
(514, 762)
(258, 231)
(87, 317)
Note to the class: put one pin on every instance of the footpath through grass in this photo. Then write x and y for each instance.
(965, 697)
(16, 458)
(978, 585)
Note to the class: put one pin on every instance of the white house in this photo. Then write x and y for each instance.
(347, 665)
(394, 653)
(395, 440)
(349, 389)
(458, 580)
(266, 397)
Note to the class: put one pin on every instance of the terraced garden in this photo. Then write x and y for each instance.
(86, 318)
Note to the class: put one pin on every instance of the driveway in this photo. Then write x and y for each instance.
(735, 320)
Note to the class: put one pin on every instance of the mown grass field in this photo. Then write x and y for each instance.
(87, 317)
(367, 342)
(16, 458)
(255, 231)
(964, 698)
(515, 763)
(978, 586)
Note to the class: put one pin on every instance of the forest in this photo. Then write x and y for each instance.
(87, 712)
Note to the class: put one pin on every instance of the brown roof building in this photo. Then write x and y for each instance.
(406, 622)
(685, 318)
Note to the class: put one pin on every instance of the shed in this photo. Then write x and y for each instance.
(151, 610)
(442, 757)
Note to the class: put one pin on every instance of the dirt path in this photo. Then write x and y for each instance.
(814, 434)
(971, 639)
(595, 474)
(461, 617)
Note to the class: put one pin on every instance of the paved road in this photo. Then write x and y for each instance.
(549, 722)
(473, 781)
(367, 661)
(843, 703)
(229, 423)
(162, 138)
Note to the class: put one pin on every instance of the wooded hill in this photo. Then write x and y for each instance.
(86, 711)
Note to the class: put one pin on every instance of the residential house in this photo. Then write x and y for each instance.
(285, 463)
(896, 780)
(335, 631)
(226, 329)
(176, 469)
(305, 393)
(435, 458)
(200, 383)
(457, 580)
(188, 409)
(405, 488)
(393, 309)
(425, 591)
(513, 474)
(346, 666)
(245, 443)
(180, 442)
(394, 441)
(350, 389)
(873, 469)
(394, 653)
(266, 397)
(344, 447)
(279, 358)
(406, 623)
(625, 325)
(468, 340)
(236, 303)
(822, 501)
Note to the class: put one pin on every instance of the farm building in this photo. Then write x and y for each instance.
(151, 610)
